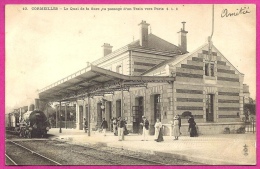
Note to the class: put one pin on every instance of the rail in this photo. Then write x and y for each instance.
(11, 159)
(128, 156)
(33, 152)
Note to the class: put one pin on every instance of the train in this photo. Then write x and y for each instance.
(12, 121)
(30, 124)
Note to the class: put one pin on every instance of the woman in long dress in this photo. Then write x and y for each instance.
(176, 129)
(192, 127)
(158, 131)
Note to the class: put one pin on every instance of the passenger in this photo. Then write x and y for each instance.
(85, 125)
(192, 127)
(27, 131)
(125, 129)
(179, 119)
(22, 126)
(104, 126)
(115, 126)
(158, 131)
(176, 129)
(111, 124)
(120, 128)
(145, 124)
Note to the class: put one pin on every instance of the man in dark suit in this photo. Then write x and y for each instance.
(145, 124)
(104, 126)
(120, 128)
(179, 119)
(85, 125)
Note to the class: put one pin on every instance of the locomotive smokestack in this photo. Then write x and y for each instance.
(37, 104)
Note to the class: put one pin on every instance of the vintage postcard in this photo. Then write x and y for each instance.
(131, 84)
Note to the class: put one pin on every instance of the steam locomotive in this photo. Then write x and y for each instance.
(38, 122)
(32, 124)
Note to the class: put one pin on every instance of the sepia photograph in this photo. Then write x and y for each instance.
(129, 84)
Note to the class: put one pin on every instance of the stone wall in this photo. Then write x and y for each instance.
(208, 128)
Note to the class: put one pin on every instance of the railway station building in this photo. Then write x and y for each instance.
(158, 79)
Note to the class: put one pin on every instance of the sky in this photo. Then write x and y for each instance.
(44, 46)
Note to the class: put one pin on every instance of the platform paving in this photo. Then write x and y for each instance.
(220, 149)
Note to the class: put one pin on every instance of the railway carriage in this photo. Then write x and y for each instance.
(11, 121)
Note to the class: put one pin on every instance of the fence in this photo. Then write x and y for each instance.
(250, 126)
(67, 124)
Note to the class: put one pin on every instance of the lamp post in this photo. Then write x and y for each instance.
(56, 119)
(60, 118)
(60, 123)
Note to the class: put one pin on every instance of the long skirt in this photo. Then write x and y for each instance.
(160, 136)
(193, 132)
(156, 134)
(176, 131)
(125, 131)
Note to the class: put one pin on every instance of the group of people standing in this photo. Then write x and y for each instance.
(119, 128)
(177, 126)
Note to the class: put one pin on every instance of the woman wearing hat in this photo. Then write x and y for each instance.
(176, 129)
(192, 127)
(145, 124)
(158, 131)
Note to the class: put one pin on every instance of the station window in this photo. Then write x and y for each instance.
(209, 69)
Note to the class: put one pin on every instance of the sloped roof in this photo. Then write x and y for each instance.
(157, 43)
(160, 65)
(94, 80)
(178, 58)
(173, 61)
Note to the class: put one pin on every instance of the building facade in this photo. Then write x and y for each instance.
(203, 82)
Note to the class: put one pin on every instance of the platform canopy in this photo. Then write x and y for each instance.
(95, 81)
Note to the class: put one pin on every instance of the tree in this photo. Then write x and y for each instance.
(250, 106)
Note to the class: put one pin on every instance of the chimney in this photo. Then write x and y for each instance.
(183, 39)
(144, 33)
(107, 49)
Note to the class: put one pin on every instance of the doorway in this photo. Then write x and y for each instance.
(108, 114)
(155, 111)
(209, 107)
(137, 112)
(118, 108)
(157, 107)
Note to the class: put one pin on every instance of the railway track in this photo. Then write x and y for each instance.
(89, 153)
(19, 152)
(9, 160)
(119, 159)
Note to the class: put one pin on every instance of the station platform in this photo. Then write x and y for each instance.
(220, 149)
